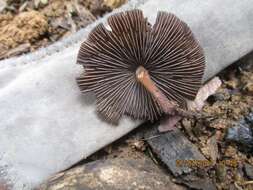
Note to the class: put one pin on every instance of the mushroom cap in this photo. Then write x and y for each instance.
(167, 50)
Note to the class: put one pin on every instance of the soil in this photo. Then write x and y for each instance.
(26, 25)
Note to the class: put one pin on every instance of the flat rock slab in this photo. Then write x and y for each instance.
(177, 152)
(173, 148)
(115, 174)
(46, 125)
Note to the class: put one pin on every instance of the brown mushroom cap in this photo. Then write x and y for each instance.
(168, 51)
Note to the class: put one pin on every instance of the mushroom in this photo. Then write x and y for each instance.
(140, 70)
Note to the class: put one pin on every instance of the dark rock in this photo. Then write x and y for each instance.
(242, 133)
(249, 119)
(115, 174)
(246, 62)
(219, 96)
(194, 182)
(172, 147)
(248, 169)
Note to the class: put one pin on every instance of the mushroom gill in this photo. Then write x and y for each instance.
(115, 59)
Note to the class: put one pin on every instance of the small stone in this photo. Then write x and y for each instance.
(248, 87)
(216, 97)
(248, 169)
(232, 84)
(114, 3)
(250, 160)
(242, 133)
(187, 123)
(221, 95)
(137, 144)
(247, 80)
(221, 172)
(40, 3)
(249, 118)
(188, 126)
(3, 4)
(230, 151)
(219, 124)
(219, 135)
(211, 149)
(44, 2)
(96, 7)
(198, 129)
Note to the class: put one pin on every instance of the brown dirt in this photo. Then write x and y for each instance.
(26, 25)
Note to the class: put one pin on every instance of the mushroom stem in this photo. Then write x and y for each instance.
(168, 106)
(144, 78)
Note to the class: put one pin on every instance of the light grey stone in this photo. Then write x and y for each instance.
(113, 174)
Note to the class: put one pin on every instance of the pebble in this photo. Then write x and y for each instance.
(242, 133)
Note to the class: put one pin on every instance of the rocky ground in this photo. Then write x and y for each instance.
(224, 138)
(212, 153)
